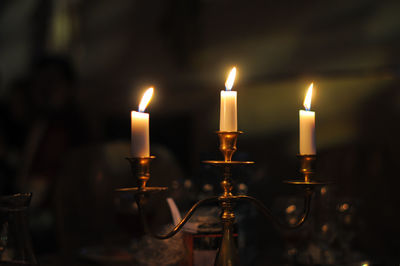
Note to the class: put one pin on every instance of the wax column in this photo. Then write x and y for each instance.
(140, 138)
(307, 126)
(228, 112)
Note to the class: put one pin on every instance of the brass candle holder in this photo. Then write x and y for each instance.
(307, 170)
(227, 254)
(141, 167)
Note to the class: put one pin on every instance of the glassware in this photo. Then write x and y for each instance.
(15, 239)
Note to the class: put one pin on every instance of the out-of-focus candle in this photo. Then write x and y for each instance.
(228, 112)
(307, 126)
(140, 139)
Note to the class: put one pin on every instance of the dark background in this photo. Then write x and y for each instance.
(81, 66)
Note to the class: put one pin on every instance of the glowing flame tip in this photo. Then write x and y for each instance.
(307, 99)
(146, 99)
(230, 80)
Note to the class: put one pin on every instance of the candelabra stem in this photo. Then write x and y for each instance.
(227, 254)
(226, 183)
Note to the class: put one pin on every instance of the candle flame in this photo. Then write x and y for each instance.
(307, 99)
(230, 80)
(146, 99)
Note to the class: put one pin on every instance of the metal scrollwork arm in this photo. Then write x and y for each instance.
(177, 227)
(268, 213)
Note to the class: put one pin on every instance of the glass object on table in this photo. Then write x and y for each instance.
(15, 238)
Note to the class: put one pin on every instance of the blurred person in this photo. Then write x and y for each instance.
(56, 126)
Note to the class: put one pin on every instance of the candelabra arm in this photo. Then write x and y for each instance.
(139, 198)
(268, 213)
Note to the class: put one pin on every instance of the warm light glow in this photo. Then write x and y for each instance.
(146, 99)
(307, 99)
(293, 220)
(230, 80)
(290, 209)
(325, 228)
(344, 207)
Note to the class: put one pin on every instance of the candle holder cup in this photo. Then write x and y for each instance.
(141, 169)
(307, 168)
(227, 254)
(227, 143)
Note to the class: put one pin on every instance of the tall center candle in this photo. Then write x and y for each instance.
(140, 139)
(228, 108)
(307, 126)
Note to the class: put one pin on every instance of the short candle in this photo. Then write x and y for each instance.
(228, 107)
(307, 126)
(140, 138)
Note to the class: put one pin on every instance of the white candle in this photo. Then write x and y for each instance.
(228, 111)
(140, 138)
(140, 145)
(307, 126)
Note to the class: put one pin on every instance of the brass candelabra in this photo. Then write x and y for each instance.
(227, 254)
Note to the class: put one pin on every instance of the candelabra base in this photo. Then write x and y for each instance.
(228, 254)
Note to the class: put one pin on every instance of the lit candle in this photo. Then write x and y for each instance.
(228, 112)
(307, 126)
(140, 139)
